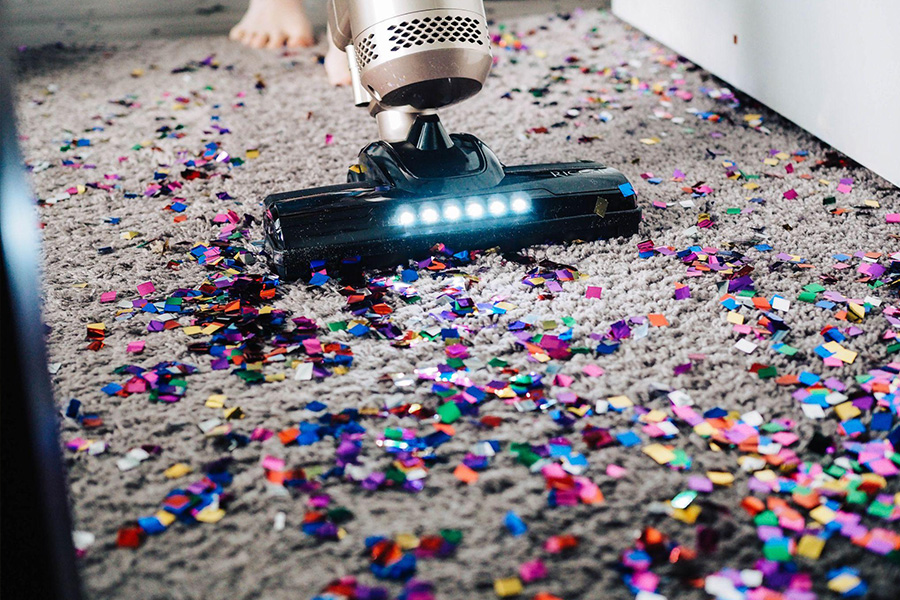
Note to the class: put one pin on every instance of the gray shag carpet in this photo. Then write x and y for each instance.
(144, 114)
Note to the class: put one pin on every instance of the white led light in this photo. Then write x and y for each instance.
(405, 217)
(497, 207)
(429, 215)
(519, 204)
(474, 210)
(452, 211)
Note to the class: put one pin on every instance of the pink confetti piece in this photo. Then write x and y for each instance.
(892, 218)
(593, 292)
(146, 288)
(790, 194)
(593, 371)
(135, 347)
(108, 296)
(328, 139)
(844, 188)
(615, 471)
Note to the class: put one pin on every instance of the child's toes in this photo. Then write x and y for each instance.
(258, 40)
(300, 40)
(276, 40)
(237, 33)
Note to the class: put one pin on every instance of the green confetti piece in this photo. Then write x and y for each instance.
(456, 363)
(449, 412)
(767, 373)
(809, 297)
(766, 517)
(815, 288)
(339, 515)
(683, 499)
(497, 362)
(454, 536)
(337, 326)
(857, 497)
(880, 509)
(835, 471)
(733, 211)
(786, 349)
(777, 549)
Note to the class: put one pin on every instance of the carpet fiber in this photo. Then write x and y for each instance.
(584, 86)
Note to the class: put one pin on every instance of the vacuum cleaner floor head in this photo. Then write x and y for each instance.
(405, 198)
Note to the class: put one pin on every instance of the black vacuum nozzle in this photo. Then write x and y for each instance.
(403, 198)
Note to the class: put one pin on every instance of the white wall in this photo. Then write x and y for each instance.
(831, 66)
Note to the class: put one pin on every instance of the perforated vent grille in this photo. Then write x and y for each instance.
(436, 30)
(366, 50)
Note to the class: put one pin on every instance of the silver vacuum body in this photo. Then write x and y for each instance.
(412, 56)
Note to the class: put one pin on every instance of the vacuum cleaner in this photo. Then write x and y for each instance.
(418, 186)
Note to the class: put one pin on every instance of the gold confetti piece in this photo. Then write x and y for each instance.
(129, 235)
(650, 141)
(654, 416)
(687, 515)
(659, 453)
(810, 546)
(177, 470)
(407, 541)
(192, 330)
(216, 401)
(704, 429)
(137, 73)
(210, 515)
(782, 155)
(274, 377)
(766, 475)
(846, 410)
(771, 161)
(855, 312)
(252, 153)
(843, 583)
(822, 514)
(620, 402)
(80, 285)
(723, 478)
(511, 586)
(164, 517)
(735, 317)
(234, 412)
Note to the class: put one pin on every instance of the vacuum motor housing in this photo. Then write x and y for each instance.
(424, 59)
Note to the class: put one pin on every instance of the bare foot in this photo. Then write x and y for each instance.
(336, 64)
(273, 24)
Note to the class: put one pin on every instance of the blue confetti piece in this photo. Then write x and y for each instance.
(626, 189)
(319, 279)
(628, 439)
(514, 524)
